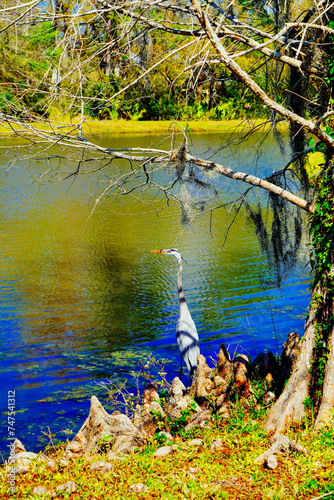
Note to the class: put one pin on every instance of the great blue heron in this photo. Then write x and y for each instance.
(186, 333)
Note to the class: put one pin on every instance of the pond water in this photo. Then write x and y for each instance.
(83, 300)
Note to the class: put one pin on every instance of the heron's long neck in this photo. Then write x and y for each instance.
(182, 299)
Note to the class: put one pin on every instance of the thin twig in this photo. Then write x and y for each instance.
(324, 495)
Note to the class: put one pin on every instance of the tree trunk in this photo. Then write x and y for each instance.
(312, 380)
(322, 384)
(313, 376)
(289, 408)
(327, 402)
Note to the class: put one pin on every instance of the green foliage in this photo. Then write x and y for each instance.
(308, 418)
(322, 228)
(322, 231)
(6, 101)
(105, 444)
(158, 419)
(161, 439)
(307, 403)
(42, 36)
(177, 426)
(318, 364)
(330, 76)
(312, 485)
(322, 261)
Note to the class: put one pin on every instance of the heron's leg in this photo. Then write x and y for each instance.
(181, 369)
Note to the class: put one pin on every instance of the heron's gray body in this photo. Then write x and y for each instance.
(188, 342)
(186, 333)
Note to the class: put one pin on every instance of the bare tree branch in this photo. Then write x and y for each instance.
(255, 88)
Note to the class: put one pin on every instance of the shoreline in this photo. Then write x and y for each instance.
(121, 127)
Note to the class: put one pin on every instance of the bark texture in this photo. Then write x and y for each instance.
(99, 425)
(289, 407)
(254, 181)
(327, 402)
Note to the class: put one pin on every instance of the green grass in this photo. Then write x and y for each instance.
(200, 473)
(120, 127)
(156, 127)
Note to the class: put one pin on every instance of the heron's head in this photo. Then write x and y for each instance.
(169, 251)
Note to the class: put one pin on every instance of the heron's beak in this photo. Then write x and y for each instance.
(158, 251)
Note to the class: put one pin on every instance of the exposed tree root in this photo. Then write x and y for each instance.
(278, 444)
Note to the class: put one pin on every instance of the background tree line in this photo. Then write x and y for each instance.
(70, 57)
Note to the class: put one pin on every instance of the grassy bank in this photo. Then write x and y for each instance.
(198, 471)
(105, 127)
(161, 127)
